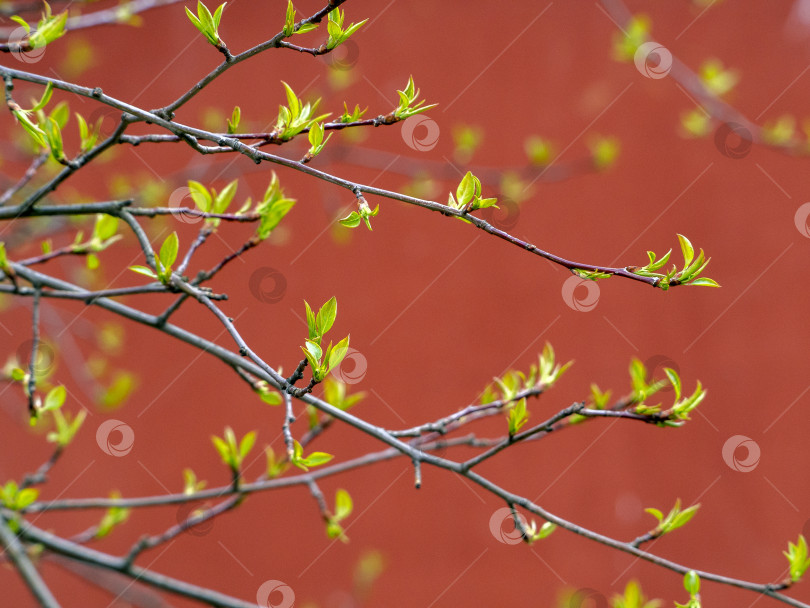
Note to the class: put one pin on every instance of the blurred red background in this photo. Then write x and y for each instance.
(437, 308)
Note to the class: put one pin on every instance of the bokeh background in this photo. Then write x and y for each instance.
(436, 308)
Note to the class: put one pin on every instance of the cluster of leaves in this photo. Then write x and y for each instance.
(633, 598)
(691, 582)
(163, 261)
(675, 519)
(272, 208)
(211, 201)
(352, 116)
(797, 559)
(688, 275)
(316, 141)
(234, 120)
(314, 459)
(532, 533)
(231, 451)
(289, 22)
(513, 383)
(322, 362)
(49, 28)
(46, 131)
(343, 508)
(364, 213)
(408, 106)
(468, 195)
(207, 23)
(338, 35)
(15, 498)
(105, 233)
(678, 413)
(65, 424)
(295, 116)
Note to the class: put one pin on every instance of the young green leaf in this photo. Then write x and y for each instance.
(168, 253)
(797, 559)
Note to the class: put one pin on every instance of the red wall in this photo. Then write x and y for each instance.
(436, 308)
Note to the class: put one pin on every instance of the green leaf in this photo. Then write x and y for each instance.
(338, 353)
(691, 582)
(55, 398)
(675, 380)
(105, 227)
(145, 270)
(22, 22)
(316, 459)
(312, 325)
(289, 21)
(247, 444)
(352, 220)
(26, 497)
(168, 251)
(326, 316)
(224, 198)
(46, 97)
(797, 558)
(343, 505)
(466, 189)
(200, 196)
(234, 120)
(687, 250)
(704, 282)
